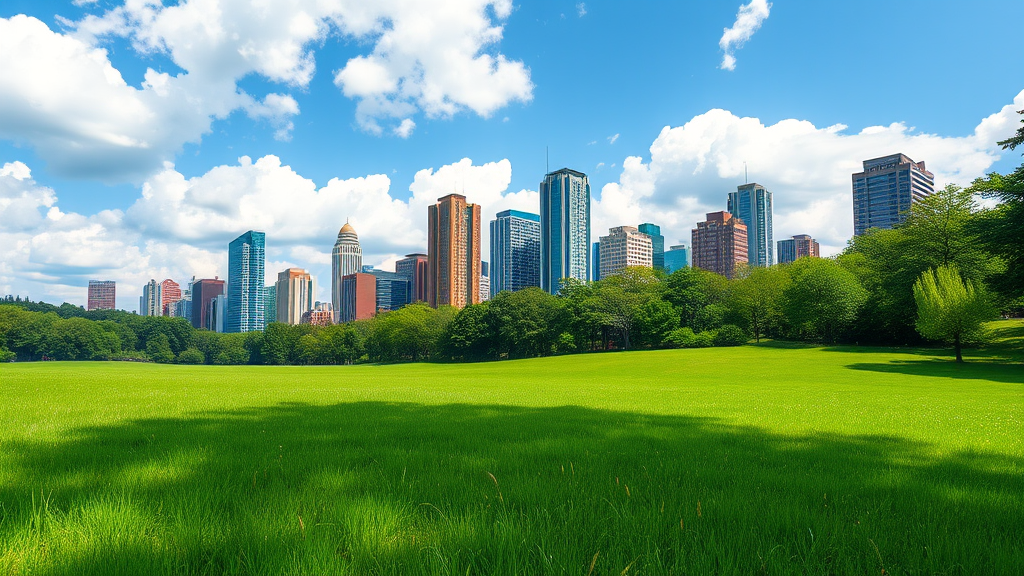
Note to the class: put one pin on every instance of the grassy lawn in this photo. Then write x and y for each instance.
(761, 459)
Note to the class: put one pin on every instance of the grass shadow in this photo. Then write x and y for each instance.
(402, 488)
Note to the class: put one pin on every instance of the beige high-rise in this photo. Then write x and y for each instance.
(296, 291)
(625, 246)
(453, 252)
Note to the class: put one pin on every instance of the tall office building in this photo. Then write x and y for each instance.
(564, 228)
(798, 246)
(218, 313)
(515, 251)
(453, 252)
(624, 246)
(346, 258)
(393, 290)
(149, 302)
(676, 258)
(245, 283)
(752, 204)
(102, 295)
(360, 292)
(203, 292)
(270, 303)
(183, 307)
(170, 293)
(719, 243)
(885, 190)
(595, 261)
(657, 244)
(414, 266)
(296, 291)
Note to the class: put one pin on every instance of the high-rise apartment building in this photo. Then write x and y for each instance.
(515, 251)
(752, 204)
(322, 314)
(203, 292)
(149, 302)
(102, 295)
(170, 293)
(453, 252)
(414, 266)
(798, 246)
(360, 292)
(346, 258)
(270, 303)
(885, 190)
(624, 246)
(719, 243)
(246, 260)
(183, 307)
(676, 258)
(393, 290)
(564, 228)
(657, 244)
(296, 292)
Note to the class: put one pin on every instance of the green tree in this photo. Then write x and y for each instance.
(526, 323)
(756, 297)
(158, 348)
(822, 300)
(191, 356)
(625, 298)
(697, 296)
(950, 308)
(469, 336)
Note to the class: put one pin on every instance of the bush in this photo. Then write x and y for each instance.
(6, 355)
(731, 335)
(191, 356)
(705, 339)
(232, 356)
(685, 338)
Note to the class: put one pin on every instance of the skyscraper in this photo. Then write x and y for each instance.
(204, 292)
(624, 246)
(149, 302)
(797, 247)
(346, 258)
(515, 251)
(676, 258)
(752, 204)
(170, 293)
(595, 261)
(414, 266)
(564, 228)
(453, 252)
(360, 291)
(296, 291)
(392, 290)
(485, 282)
(270, 303)
(885, 190)
(245, 283)
(102, 295)
(719, 243)
(657, 244)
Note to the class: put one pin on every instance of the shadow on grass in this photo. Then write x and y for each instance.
(977, 370)
(389, 488)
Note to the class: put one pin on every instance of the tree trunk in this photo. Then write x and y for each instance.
(956, 346)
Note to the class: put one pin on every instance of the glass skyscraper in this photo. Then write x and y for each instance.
(676, 258)
(884, 191)
(657, 244)
(515, 251)
(393, 290)
(246, 257)
(564, 228)
(752, 203)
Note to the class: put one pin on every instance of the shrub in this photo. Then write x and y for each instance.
(6, 355)
(191, 356)
(731, 335)
(705, 339)
(678, 338)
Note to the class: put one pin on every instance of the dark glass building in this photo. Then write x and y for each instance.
(564, 228)
(203, 292)
(657, 244)
(515, 251)
(246, 257)
(393, 290)
(885, 190)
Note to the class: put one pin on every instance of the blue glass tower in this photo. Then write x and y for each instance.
(657, 244)
(246, 257)
(752, 203)
(515, 251)
(677, 258)
(884, 191)
(393, 289)
(595, 262)
(564, 228)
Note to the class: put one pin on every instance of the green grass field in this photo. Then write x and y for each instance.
(770, 459)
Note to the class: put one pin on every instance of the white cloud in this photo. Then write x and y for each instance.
(692, 168)
(61, 94)
(404, 130)
(581, 9)
(748, 20)
(613, 138)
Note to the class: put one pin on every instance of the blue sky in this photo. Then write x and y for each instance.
(817, 87)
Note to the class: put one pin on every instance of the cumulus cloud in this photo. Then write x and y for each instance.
(404, 130)
(61, 94)
(807, 168)
(748, 20)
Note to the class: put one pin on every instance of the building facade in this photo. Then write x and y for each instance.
(414, 267)
(270, 303)
(676, 258)
(453, 252)
(246, 261)
(623, 247)
(346, 258)
(218, 313)
(322, 314)
(564, 228)
(798, 246)
(657, 244)
(360, 291)
(485, 282)
(102, 295)
(885, 190)
(203, 292)
(515, 251)
(295, 292)
(170, 293)
(595, 261)
(149, 302)
(393, 290)
(719, 244)
(752, 204)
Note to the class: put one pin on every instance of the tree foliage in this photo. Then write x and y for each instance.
(950, 308)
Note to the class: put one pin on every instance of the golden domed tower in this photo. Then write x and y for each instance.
(346, 258)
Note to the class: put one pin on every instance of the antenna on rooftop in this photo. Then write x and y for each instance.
(745, 181)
